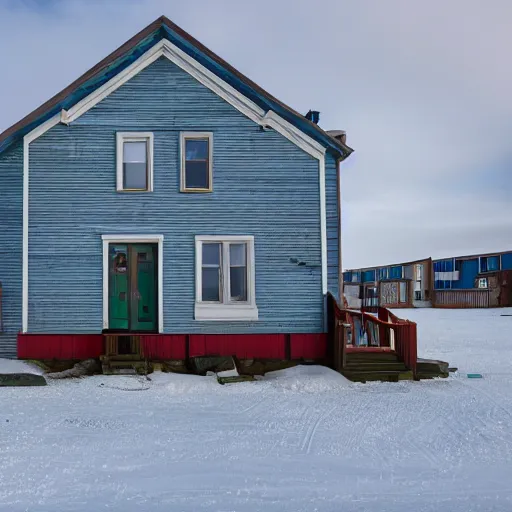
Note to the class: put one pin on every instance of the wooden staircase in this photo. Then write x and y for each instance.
(129, 362)
(375, 366)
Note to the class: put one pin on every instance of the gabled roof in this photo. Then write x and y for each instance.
(120, 59)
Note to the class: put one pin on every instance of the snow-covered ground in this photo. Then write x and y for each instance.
(300, 440)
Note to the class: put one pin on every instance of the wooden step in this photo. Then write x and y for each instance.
(365, 366)
(371, 356)
(384, 376)
(122, 357)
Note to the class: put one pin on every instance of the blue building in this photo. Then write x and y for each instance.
(165, 194)
(479, 280)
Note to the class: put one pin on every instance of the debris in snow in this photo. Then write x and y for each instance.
(474, 376)
(21, 379)
(81, 369)
(231, 379)
(431, 368)
(203, 364)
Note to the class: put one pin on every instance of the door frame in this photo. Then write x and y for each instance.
(134, 239)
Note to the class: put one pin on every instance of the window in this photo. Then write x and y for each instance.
(134, 162)
(489, 264)
(196, 161)
(482, 282)
(403, 291)
(383, 273)
(225, 278)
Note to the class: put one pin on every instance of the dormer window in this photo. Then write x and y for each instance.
(134, 162)
(196, 161)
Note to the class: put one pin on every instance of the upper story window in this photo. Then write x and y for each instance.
(196, 161)
(134, 162)
(489, 263)
(383, 273)
(225, 278)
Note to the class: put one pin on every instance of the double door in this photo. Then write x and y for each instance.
(133, 287)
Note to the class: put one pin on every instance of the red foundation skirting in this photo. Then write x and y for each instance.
(174, 346)
(59, 346)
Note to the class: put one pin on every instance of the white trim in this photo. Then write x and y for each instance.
(27, 139)
(293, 134)
(236, 311)
(140, 239)
(121, 138)
(165, 48)
(196, 135)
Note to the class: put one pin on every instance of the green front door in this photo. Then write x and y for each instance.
(132, 287)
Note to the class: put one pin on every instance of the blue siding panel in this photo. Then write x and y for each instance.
(395, 272)
(468, 272)
(263, 184)
(333, 240)
(506, 261)
(368, 276)
(11, 233)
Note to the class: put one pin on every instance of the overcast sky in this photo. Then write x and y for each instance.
(423, 90)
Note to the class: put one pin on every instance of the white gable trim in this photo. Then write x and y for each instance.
(165, 48)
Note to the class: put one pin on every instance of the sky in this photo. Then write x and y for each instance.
(423, 90)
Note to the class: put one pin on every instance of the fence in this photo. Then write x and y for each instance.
(361, 331)
(474, 298)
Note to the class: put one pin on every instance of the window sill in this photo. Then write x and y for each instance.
(196, 190)
(225, 312)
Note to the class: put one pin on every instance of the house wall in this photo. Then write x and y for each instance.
(467, 274)
(263, 185)
(11, 246)
(506, 261)
(333, 228)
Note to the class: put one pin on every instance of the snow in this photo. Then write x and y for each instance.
(302, 439)
(9, 366)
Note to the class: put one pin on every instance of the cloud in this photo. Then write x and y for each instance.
(422, 89)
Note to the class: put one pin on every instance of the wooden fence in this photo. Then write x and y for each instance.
(474, 298)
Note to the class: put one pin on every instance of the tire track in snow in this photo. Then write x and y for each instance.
(308, 440)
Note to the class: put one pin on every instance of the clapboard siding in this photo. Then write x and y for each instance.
(263, 186)
(11, 233)
(333, 240)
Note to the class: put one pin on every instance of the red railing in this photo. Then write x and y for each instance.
(362, 331)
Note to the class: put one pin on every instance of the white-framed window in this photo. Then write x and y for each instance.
(225, 278)
(196, 150)
(134, 161)
(482, 282)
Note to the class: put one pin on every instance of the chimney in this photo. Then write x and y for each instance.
(339, 135)
(314, 116)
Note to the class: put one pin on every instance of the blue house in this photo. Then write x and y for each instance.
(165, 203)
